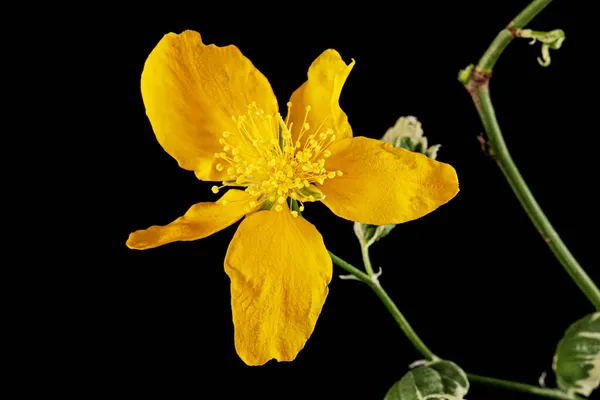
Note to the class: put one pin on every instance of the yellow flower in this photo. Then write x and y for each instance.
(216, 114)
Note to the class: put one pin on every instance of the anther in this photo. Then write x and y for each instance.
(281, 200)
(214, 189)
(294, 214)
(219, 167)
(278, 208)
(339, 173)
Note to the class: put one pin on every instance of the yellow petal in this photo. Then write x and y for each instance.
(382, 184)
(191, 91)
(200, 221)
(279, 270)
(321, 92)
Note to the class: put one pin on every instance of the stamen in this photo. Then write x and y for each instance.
(262, 156)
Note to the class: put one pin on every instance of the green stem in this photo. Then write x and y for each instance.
(352, 270)
(424, 350)
(528, 201)
(367, 260)
(387, 302)
(478, 87)
(522, 387)
(490, 57)
(403, 322)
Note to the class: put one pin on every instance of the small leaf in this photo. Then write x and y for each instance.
(407, 133)
(577, 358)
(369, 234)
(406, 143)
(432, 151)
(382, 231)
(405, 127)
(439, 378)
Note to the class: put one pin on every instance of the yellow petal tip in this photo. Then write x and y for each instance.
(136, 240)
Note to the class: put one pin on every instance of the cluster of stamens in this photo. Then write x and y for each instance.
(261, 156)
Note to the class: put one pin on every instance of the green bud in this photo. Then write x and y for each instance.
(464, 75)
(407, 133)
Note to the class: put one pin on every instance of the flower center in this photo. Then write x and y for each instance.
(262, 156)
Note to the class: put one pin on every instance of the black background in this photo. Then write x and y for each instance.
(474, 278)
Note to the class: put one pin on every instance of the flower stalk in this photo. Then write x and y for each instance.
(422, 347)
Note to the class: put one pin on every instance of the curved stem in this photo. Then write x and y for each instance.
(490, 57)
(403, 323)
(522, 387)
(424, 350)
(388, 303)
(528, 201)
(478, 87)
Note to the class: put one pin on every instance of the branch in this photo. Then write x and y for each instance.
(476, 80)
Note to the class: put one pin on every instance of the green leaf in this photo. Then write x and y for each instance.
(407, 143)
(577, 358)
(439, 380)
(369, 234)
